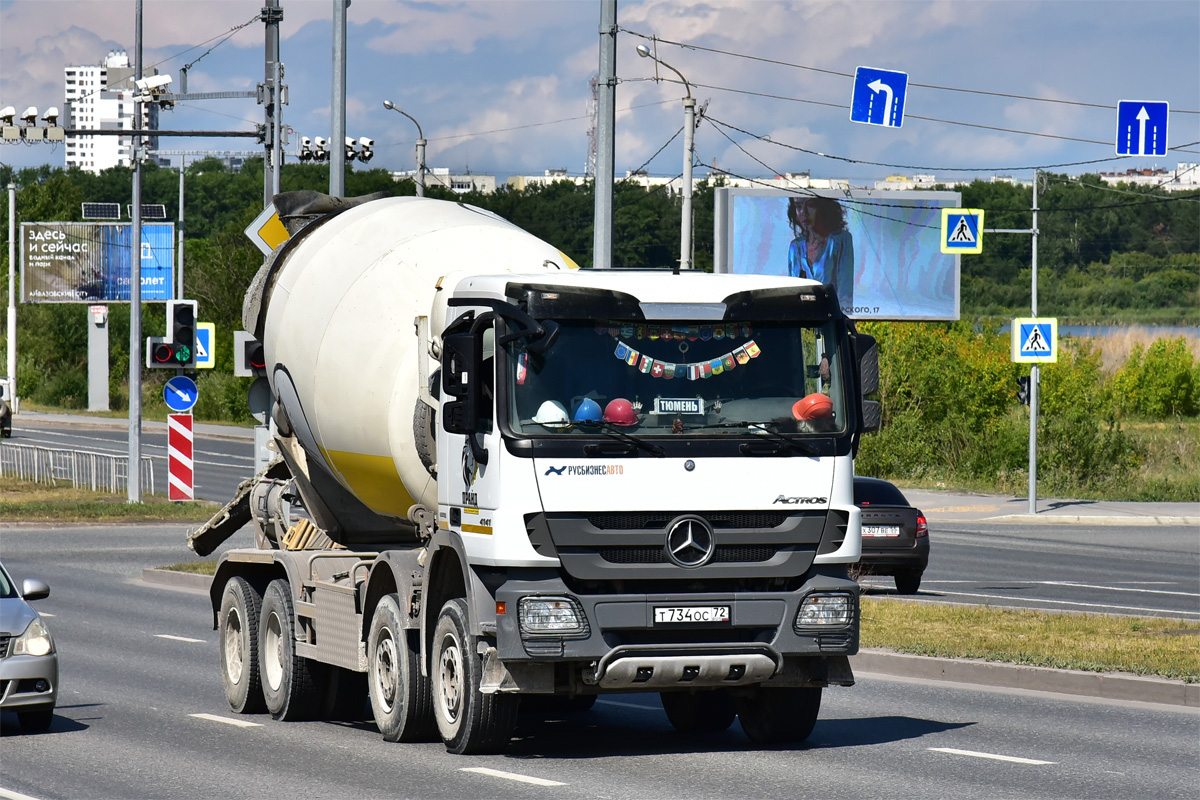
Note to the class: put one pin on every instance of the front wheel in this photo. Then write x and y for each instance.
(469, 721)
(241, 605)
(291, 683)
(779, 715)
(400, 696)
(36, 720)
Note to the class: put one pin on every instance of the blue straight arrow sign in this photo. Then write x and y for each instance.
(1142, 127)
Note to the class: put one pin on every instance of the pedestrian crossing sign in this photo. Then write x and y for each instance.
(962, 230)
(1035, 340)
(206, 348)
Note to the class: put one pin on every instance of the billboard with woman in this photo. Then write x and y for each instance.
(879, 250)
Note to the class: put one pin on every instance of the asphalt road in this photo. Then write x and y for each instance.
(1136, 569)
(222, 459)
(143, 715)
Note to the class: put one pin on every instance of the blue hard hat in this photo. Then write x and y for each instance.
(588, 410)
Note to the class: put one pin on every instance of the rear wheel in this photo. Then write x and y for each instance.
(706, 711)
(779, 715)
(36, 720)
(241, 605)
(908, 582)
(468, 720)
(291, 684)
(400, 695)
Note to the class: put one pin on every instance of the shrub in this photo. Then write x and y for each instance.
(1158, 382)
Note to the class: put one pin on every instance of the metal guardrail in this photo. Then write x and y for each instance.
(97, 471)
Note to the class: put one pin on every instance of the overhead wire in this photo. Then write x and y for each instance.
(748, 57)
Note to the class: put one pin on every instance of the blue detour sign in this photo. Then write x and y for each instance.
(878, 97)
(180, 394)
(1142, 128)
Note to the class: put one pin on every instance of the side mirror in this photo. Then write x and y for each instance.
(866, 352)
(460, 365)
(33, 589)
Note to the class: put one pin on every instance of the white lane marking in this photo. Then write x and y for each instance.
(1069, 603)
(1074, 585)
(9, 794)
(178, 638)
(239, 723)
(511, 776)
(628, 705)
(972, 753)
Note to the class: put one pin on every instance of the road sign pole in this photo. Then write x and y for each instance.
(1034, 375)
(180, 470)
(133, 473)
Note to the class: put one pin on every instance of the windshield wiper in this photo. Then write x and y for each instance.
(607, 429)
(777, 444)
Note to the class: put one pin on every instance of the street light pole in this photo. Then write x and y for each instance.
(689, 127)
(420, 146)
(12, 295)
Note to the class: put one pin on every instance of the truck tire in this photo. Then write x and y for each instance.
(908, 582)
(345, 695)
(291, 684)
(705, 711)
(241, 605)
(400, 696)
(787, 714)
(469, 721)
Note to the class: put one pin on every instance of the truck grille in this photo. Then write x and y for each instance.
(644, 520)
(657, 555)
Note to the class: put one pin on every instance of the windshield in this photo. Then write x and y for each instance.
(678, 378)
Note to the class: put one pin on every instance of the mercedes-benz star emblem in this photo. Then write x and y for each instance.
(690, 541)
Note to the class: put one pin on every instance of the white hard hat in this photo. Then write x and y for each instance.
(552, 414)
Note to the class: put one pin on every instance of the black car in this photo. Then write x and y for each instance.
(895, 536)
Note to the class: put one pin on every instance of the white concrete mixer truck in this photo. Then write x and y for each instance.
(501, 476)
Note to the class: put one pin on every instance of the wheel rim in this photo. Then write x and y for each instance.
(235, 654)
(450, 673)
(385, 670)
(272, 654)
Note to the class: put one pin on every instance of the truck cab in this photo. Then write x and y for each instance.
(651, 476)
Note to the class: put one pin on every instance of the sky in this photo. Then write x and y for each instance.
(501, 87)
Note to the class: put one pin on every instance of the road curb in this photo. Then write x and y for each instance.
(1107, 686)
(1076, 519)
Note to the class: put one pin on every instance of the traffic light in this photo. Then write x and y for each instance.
(1023, 390)
(181, 328)
(249, 358)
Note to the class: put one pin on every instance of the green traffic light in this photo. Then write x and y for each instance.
(183, 354)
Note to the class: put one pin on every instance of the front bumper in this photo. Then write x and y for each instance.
(22, 679)
(622, 648)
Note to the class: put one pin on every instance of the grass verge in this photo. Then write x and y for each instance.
(24, 501)
(1166, 648)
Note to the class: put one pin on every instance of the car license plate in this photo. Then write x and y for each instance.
(880, 531)
(691, 614)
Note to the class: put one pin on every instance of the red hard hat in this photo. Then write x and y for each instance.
(813, 406)
(620, 412)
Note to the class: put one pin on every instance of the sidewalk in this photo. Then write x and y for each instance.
(950, 506)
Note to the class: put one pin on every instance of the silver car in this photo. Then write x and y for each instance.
(28, 660)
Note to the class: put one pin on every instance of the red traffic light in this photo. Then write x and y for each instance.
(163, 353)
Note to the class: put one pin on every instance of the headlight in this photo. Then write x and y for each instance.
(35, 641)
(823, 610)
(552, 616)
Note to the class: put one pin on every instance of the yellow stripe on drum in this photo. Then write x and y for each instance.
(570, 263)
(373, 480)
(477, 529)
